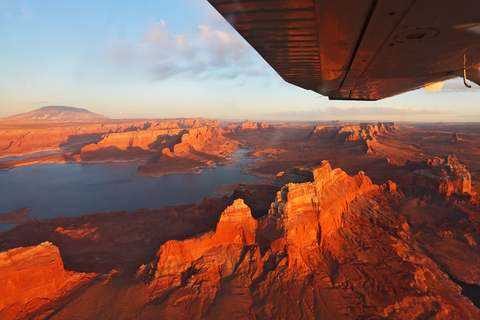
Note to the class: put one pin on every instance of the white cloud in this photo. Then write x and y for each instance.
(206, 52)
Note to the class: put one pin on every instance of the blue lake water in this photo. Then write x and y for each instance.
(54, 190)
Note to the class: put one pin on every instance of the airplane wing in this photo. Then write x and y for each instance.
(361, 49)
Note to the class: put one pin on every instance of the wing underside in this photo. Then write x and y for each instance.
(361, 50)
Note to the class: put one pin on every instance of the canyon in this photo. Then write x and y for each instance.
(353, 221)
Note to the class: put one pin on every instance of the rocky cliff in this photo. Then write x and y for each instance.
(448, 177)
(250, 125)
(33, 277)
(326, 249)
(332, 246)
(363, 132)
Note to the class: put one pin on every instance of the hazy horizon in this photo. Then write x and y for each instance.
(292, 117)
(172, 60)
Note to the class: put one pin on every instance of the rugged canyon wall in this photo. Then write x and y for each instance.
(33, 277)
(161, 146)
(332, 246)
(363, 132)
(448, 177)
(18, 138)
(326, 249)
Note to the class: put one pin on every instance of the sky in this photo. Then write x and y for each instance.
(170, 59)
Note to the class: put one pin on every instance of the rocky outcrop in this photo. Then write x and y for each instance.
(318, 205)
(456, 138)
(325, 131)
(364, 132)
(295, 175)
(249, 125)
(335, 246)
(448, 177)
(204, 259)
(324, 245)
(182, 123)
(198, 148)
(349, 133)
(195, 138)
(146, 140)
(33, 277)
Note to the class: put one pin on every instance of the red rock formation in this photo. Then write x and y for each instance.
(324, 249)
(249, 125)
(325, 131)
(447, 177)
(456, 138)
(33, 277)
(201, 147)
(146, 140)
(333, 247)
(364, 132)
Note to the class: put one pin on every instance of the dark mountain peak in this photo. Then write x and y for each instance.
(58, 113)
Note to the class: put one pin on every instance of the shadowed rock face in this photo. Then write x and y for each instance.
(444, 177)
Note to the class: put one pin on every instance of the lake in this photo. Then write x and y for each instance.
(54, 190)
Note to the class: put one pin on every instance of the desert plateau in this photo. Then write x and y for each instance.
(345, 220)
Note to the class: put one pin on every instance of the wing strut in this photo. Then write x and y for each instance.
(465, 74)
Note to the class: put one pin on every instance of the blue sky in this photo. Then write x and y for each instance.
(163, 59)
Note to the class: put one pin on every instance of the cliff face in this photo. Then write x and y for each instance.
(364, 132)
(325, 250)
(164, 147)
(446, 177)
(249, 125)
(332, 247)
(145, 140)
(32, 277)
(195, 149)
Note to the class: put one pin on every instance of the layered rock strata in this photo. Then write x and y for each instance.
(364, 132)
(33, 277)
(446, 177)
(325, 250)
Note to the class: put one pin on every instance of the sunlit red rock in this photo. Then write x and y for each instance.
(249, 125)
(33, 277)
(332, 245)
(447, 177)
(330, 236)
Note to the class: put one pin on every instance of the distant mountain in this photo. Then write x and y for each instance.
(58, 113)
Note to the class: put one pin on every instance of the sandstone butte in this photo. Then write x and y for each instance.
(33, 277)
(448, 177)
(363, 132)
